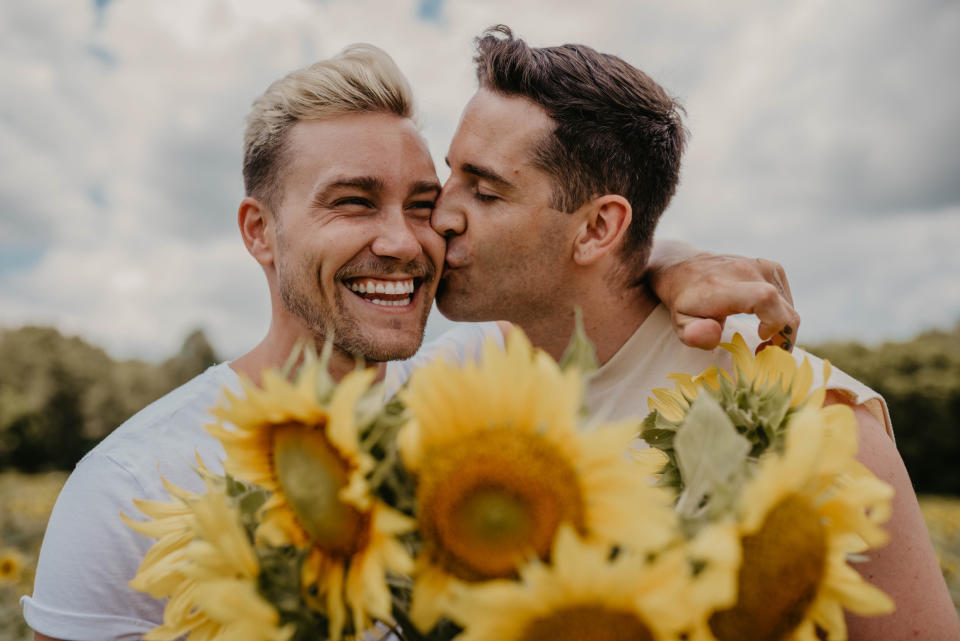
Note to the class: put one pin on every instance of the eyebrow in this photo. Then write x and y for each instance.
(371, 184)
(485, 173)
(366, 183)
(424, 186)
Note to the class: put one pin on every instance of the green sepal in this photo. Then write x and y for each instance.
(279, 579)
(248, 499)
(759, 412)
(658, 432)
(580, 352)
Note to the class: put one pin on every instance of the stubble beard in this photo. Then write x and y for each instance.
(304, 297)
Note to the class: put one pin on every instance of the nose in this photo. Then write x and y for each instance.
(396, 239)
(448, 219)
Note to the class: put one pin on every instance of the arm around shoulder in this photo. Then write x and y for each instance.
(906, 568)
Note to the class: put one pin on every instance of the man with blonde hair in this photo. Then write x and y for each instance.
(340, 189)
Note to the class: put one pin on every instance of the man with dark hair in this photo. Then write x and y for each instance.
(616, 131)
(563, 162)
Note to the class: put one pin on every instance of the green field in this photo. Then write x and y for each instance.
(26, 501)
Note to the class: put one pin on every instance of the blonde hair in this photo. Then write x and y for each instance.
(362, 78)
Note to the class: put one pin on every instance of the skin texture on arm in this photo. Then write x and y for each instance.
(701, 289)
(906, 568)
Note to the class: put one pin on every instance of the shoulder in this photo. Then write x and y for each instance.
(87, 558)
(87, 594)
(906, 568)
(165, 435)
(841, 384)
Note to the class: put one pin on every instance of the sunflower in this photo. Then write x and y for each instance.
(765, 390)
(204, 563)
(799, 518)
(11, 566)
(583, 595)
(765, 374)
(306, 453)
(501, 465)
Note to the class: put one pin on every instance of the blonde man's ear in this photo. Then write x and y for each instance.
(257, 230)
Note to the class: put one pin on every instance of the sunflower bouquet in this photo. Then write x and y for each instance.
(476, 505)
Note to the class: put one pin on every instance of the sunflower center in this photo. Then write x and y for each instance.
(489, 499)
(311, 474)
(587, 623)
(783, 566)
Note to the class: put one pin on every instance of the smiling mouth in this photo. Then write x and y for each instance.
(387, 293)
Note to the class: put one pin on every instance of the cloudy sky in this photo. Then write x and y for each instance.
(825, 135)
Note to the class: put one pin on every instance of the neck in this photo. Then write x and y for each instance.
(609, 317)
(275, 348)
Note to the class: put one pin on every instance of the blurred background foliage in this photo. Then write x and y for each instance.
(60, 395)
(920, 379)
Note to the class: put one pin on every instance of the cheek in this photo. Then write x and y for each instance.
(433, 245)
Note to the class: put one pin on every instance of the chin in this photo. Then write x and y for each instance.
(457, 307)
(382, 349)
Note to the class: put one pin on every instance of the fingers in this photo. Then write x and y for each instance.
(773, 273)
(784, 337)
(780, 326)
(702, 333)
(779, 321)
(704, 289)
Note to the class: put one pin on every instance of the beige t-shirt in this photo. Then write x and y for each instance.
(620, 388)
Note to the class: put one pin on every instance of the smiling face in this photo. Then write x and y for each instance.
(508, 251)
(354, 246)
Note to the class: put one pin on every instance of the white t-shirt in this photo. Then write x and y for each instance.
(89, 555)
(620, 388)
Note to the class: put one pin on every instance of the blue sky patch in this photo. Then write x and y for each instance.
(17, 258)
(430, 10)
(102, 54)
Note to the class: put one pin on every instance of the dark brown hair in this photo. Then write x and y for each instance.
(617, 131)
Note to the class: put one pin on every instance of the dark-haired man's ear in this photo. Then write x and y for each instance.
(257, 228)
(604, 225)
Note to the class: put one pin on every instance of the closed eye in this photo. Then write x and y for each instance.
(353, 201)
(422, 204)
(485, 198)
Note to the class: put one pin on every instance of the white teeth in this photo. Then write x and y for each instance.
(391, 303)
(371, 286)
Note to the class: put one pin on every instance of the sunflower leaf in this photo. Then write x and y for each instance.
(710, 453)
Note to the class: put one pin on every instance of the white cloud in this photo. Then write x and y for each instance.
(824, 136)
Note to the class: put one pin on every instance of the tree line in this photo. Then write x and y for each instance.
(60, 395)
(920, 379)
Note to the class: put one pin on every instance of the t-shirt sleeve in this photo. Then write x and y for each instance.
(856, 392)
(87, 559)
